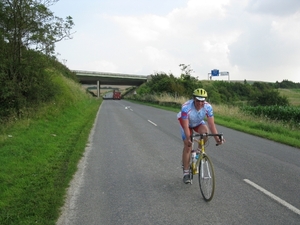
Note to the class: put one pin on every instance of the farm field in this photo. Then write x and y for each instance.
(293, 95)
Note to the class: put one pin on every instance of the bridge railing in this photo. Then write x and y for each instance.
(108, 74)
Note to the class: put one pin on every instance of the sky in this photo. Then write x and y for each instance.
(254, 40)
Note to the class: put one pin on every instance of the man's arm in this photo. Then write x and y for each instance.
(212, 127)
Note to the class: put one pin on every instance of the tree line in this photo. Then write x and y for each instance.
(254, 94)
(28, 33)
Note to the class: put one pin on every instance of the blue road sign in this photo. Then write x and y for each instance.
(215, 72)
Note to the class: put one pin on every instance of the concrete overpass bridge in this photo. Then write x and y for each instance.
(106, 78)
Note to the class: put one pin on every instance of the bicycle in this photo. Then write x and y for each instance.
(202, 165)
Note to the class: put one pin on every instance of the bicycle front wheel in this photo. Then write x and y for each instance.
(206, 178)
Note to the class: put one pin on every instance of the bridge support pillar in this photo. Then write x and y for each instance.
(98, 88)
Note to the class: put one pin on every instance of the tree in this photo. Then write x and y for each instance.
(189, 82)
(27, 29)
(160, 83)
(270, 98)
(30, 24)
(186, 70)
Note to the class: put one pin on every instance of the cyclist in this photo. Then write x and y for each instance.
(191, 117)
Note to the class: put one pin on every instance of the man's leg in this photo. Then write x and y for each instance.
(186, 163)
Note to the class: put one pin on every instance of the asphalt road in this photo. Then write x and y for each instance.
(131, 174)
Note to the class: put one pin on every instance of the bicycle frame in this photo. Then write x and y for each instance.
(201, 142)
(201, 153)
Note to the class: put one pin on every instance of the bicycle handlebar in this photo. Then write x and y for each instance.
(209, 135)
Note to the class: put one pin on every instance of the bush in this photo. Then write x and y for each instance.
(282, 113)
(269, 98)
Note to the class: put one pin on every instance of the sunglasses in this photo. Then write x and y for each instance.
(199, 100)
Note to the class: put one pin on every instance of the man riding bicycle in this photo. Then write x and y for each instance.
(191, 117)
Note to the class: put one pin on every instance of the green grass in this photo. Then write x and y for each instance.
(39, 156)
(269, 130)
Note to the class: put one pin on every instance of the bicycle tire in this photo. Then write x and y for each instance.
(191, 174)
(206, 178)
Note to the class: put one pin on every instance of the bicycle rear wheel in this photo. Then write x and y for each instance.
(191, 174)
(206, 178)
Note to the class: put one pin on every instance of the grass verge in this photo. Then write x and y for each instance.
(39, 156)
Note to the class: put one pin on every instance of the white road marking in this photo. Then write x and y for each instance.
(152, 123)
(282, 202)
(128, 107)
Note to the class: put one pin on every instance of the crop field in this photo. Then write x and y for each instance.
(293, 95)
(281, 113)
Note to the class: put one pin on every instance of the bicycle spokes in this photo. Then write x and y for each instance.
(206, 178)
(206, 173)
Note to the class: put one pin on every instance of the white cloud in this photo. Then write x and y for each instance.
(102, 66)
(145, 28)
(287, 27)
(249, 38)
